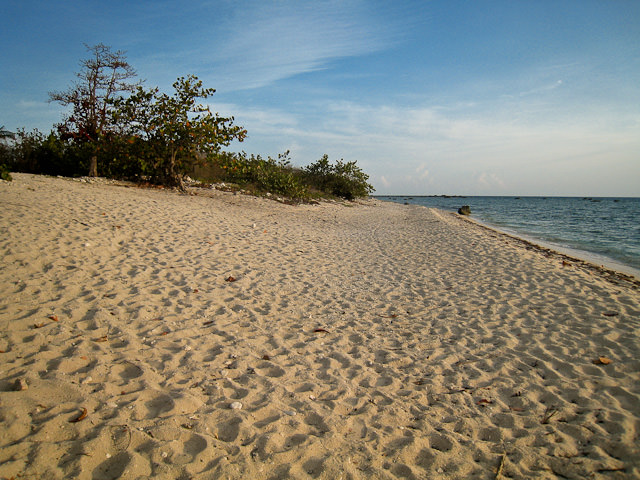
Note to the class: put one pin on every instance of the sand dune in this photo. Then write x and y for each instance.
(368, 341)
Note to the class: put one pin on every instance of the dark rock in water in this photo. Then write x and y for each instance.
(464, 210)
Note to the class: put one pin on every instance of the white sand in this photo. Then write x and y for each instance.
(446, 350)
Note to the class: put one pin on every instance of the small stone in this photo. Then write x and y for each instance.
(20, 384)
(236, 406)
(464, 210)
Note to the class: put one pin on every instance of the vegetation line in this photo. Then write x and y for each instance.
(117, 128)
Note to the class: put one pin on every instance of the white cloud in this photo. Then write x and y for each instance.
(451, 150)
(422, 171)
(542, 89)
(260, 120)
(261, 43)
(490, 181)
(462, 147)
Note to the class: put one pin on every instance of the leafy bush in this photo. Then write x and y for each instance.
(33, 152)
(135, 158)
(344, 179)
(270, 175)
(4, 173)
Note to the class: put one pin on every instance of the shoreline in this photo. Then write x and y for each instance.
(609, 265)
(590, 261)
(146, 333)
(600, 259)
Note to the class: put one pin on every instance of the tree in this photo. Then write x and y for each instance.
(171, 134)
(103, 76)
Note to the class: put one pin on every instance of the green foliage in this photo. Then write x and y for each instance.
(168, 135)
(270, 175)
(26, 151)
(4, 173)
(154, 136)
(344, 179)
(6, 151)
(33, 152)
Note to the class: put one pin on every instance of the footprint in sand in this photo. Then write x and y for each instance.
(314, 466)
(127, 371)
(113, 467)
(228, 430)
(159, 405)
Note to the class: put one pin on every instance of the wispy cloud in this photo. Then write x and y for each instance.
(490, 181)
(260, 120)
(33, 104)
(422, 171)
(542, 89)
(262, 42)
(456, 149)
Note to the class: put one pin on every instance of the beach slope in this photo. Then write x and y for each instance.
(150, 334)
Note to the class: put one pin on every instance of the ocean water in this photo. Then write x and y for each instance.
(602, 230)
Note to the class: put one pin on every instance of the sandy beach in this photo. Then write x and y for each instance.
(146, 333)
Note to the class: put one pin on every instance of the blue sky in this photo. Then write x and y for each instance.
(502, 97)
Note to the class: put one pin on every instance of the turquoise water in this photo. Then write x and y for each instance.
(606, 229)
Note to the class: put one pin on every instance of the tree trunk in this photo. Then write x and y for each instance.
(93, 166)
(175, 179)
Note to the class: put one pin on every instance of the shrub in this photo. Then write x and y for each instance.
(344, 179)
(270, 175)
(4, 173)
(33, 152)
